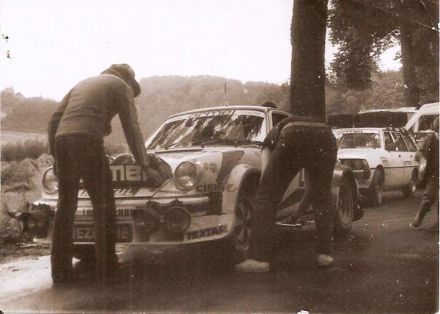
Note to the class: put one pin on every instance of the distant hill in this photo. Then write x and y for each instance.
(161, 97)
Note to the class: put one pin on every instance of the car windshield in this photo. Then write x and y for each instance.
(359, 140)
(212, 127)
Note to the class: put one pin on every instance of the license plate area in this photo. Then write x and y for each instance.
(86, 233)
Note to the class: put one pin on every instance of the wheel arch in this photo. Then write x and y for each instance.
(241, 177)
(382, 170)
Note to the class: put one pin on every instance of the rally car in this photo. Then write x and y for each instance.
(381, 158)
(215, 156)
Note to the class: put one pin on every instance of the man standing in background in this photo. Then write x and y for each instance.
(429, 152)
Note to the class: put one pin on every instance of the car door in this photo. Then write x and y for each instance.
(392, 162)
(405, 156)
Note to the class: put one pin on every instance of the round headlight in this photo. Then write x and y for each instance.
(186, 175)
(50, 181)
(146, 220)
(177, 220)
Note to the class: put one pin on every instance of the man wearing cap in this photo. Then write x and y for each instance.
(75, 133)
(296, 142)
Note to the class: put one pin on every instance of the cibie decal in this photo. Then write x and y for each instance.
(208, 232)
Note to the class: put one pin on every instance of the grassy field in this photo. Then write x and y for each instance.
(16, 136)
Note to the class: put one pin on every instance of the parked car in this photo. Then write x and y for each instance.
(381, 158)
(420, 123)
(215, 155)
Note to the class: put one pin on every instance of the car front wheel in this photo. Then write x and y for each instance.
(345, 209)
(236, 246)
(376, 189)
(411, 188)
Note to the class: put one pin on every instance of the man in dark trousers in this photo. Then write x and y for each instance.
(297, 142)
(76, 131)
(429, 151)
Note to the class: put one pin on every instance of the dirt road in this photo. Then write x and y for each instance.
(384, 266)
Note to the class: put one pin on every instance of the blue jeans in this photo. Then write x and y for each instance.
(312, 148)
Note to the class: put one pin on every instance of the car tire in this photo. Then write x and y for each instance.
(344, 209)
(411, 188)
(235, 248)
(375, 194)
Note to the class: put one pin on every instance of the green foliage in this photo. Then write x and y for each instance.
(362, 33)
(386, 91)
(30, 114)
(163, 96)
(364, 28)
(18, 175)
(115, 149)
(9, 99)
(20, 150)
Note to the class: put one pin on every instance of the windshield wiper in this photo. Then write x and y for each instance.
(234, 142)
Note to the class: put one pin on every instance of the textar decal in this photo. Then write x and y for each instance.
(208, 232)
(216, 187)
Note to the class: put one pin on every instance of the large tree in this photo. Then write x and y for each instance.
(365, 28)
(307, 95)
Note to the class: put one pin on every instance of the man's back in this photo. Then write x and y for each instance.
(92, 104)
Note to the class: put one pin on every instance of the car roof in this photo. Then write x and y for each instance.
(230, 107)
(401, 109)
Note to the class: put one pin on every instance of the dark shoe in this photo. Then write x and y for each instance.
(418, 219)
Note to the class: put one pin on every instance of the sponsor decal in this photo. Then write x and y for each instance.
(230, 160)
(128, 173)
(210, 113)
(88, 212)
(216, 187)
(210, 166)
(208, 232)
(116, 192)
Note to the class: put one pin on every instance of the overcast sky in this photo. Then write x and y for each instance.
(53, 44)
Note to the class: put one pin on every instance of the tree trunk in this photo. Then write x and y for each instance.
(307, 93)
(412, 94)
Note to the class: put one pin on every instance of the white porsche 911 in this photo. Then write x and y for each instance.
(215, 154)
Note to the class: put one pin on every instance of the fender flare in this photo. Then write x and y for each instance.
(239, 175)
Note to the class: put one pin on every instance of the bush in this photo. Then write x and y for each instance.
(18, 175)
(21, 150)
(114, 149)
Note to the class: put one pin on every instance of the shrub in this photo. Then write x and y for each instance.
(114, 149)
(18, 175)
(18, 151)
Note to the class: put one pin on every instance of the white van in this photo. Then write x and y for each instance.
(420, 123)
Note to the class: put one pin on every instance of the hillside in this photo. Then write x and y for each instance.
(161, 96)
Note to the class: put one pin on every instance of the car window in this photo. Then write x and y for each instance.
(389, 142)
(400, 143)
(409, 142)
(277, 117)
(217, 127)
(426, 121)
(359, 140)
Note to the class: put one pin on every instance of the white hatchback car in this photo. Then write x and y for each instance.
(381, 158)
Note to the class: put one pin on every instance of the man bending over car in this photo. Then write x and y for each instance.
(296, 142)
(76, 131)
